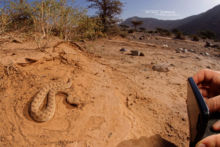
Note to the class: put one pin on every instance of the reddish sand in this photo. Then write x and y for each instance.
(124, 103)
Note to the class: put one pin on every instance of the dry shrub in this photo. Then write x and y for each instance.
(195, 38)
(49, 17)
(179, 35)
(89, 28)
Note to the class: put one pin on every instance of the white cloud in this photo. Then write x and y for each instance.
(161, 13)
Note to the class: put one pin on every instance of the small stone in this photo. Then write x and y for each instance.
(165, 46)
(172, 65)
(181, 49)
(16, 40)
(185, 50)
(136, 53)
(152, 63)
(161, 68)
(207, 54)
(141, 54)
(198, 58)
(123, 50)
(141, 38)
(191, 50)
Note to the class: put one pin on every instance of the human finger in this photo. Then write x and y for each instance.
(203, 75)
(216, 126)
(211, 141)
(214, 104)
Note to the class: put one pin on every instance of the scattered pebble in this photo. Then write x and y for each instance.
(205, 54)
(136, 53)
(165, 46)
(185, 51)
(161, 68)
(123, 50)
(16, 40)
(172, 65)
(141, 38)
(208, 67)
(191, 50)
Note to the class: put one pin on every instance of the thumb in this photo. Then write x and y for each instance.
(216, 126)
(214, 104)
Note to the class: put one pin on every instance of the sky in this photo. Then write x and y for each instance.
(161, 9)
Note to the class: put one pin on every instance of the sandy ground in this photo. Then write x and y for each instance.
(123, 102)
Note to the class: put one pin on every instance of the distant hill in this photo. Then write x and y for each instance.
(209, 20)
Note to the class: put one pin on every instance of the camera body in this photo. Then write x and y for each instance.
(200, 119)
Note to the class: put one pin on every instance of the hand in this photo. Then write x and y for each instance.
(208, 82)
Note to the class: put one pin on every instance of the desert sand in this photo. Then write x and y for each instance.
(120, 100)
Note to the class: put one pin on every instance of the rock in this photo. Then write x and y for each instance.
(141, 54)
(207, 44)
(172, 65)
(123, 50)
(161, 68)
(82, 40)
(165, 46)
(208, 67)
(141, 38)
(136, 53)
(216, 46)
(16, 40)
(207, 54)
(185, 51)
(152, 63)
(179, 50)
(198, 58)
(191, 50)
(217, 55)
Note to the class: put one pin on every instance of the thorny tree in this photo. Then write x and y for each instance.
(136, 23)
(107, 11)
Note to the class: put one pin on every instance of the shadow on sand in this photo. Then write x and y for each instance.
(153, 141)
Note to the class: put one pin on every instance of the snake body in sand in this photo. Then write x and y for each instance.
(50, 90)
